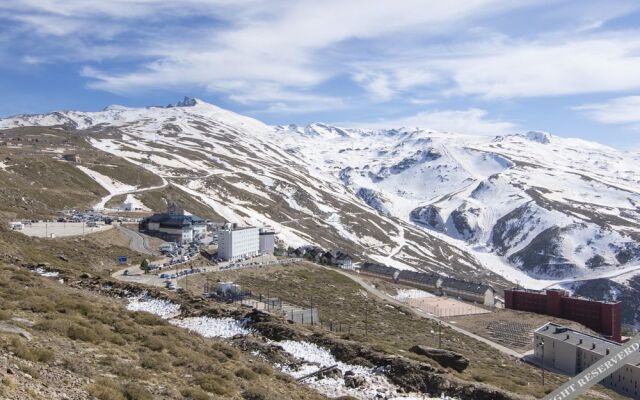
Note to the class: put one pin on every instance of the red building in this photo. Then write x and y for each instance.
(602, 317)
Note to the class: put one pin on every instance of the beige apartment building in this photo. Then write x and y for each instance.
(569, 351)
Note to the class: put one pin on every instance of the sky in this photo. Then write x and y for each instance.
(487, 67)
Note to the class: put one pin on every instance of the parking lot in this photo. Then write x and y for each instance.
(61, 229)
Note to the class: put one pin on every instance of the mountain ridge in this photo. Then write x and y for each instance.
(547, 206)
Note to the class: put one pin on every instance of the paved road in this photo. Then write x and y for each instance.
(138, 242)
(420, 313)
(136, 275)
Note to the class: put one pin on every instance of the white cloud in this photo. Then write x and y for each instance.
(253, 43)
(601, 63)
(621, 110)
(377, 84)
(278, 54)
(500, 67)
(472, 121)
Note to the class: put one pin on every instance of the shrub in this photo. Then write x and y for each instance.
(77, 332)
(192, 393)
(20, 349)
(228, 351)
(155, 361)
(143, 318)
(262, 369)
(134, 391)
(77, 366)
(214, 384)
(258, 394)
(126, 370)
(246, 373)
(154, 343)
(106, 390)
(5, 315)
(8, 382)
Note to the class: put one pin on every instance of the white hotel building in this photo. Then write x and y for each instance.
(238, 243)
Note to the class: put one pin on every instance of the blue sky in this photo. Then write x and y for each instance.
(475, 66)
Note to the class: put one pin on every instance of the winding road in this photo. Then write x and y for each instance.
(138, 242)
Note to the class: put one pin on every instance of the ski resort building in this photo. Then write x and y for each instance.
(421, 280)
(571, 352)
(379, 271)
(436, 284)
(600, 316)
(470, 291)
(267, 241)
(343, 260)
(174, 226)
(237, 243)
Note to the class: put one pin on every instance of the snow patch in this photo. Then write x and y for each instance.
(408, 294)
(47, 274)
(164, 309)
(212, 327)
(376, 384)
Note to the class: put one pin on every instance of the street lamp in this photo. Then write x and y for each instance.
(540, 344)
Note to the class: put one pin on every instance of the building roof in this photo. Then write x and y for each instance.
(176, 220)
(562, 292)
(471, 287)
(419, 277)
(576, 338)
(378, 269)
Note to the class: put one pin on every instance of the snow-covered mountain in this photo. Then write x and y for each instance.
(522, 206)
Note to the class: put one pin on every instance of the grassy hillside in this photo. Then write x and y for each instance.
(87, 345)
(157, 200)
(39, 186)
(37, 183)
(389, 328)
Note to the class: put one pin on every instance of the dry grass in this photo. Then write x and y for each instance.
(389, 328)
(97, 337)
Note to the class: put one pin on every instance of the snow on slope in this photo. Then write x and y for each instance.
(534, 199)
(551, 207)
(112, 186)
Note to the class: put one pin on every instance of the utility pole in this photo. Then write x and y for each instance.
(366, 318)
(311, 301)
(541, 345)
